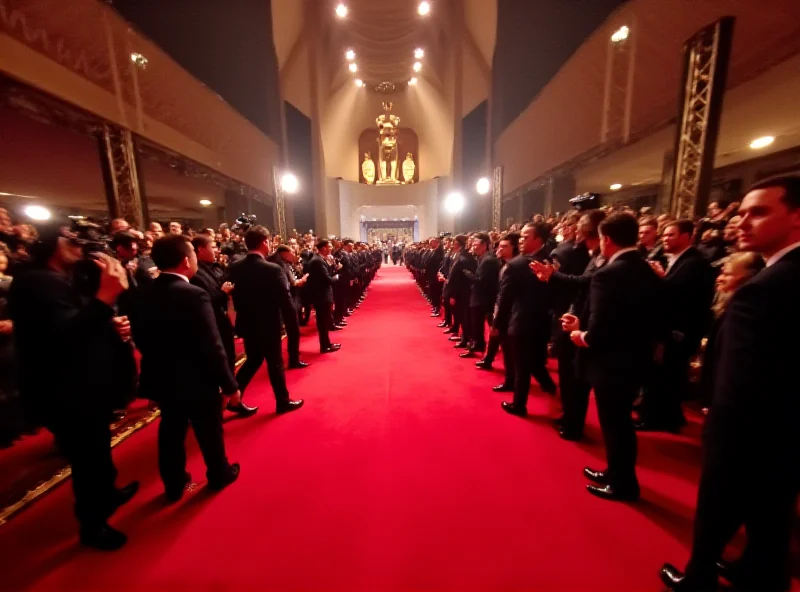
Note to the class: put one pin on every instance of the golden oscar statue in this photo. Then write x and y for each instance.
(368, 169)
(409, 169)
(387, 146)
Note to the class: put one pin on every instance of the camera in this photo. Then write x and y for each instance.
(244, 222)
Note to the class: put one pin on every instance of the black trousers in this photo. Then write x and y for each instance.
(478, 319)
(448, 314)
(741, 485)
(668, 387)
(324, 321)
(228, 342)
(293, 340)
(615, 397)
(575, 389)
(340, 301)
(204, 413)
(461, 318)
(529, 354)
(85, 439)
(258, 349)
(435, 289)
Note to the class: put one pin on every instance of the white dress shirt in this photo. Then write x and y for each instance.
(180, 275)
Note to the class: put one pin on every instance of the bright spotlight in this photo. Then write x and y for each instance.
(417, 66)
(419, 53)
(620, 34)
(341, 11)
(205, 202)
(37, 213)
(350, 55)
(454, 203)
(483, 186)
(413, 81)
(289, 183)
(424, 8)
(359, 82)
(616, 187)
(353, 68)
(762, 142)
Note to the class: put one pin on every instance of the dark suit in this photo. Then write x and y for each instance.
(184, 376)
(523, 314)
(751, 452)
(457, 287)
(320, 286)
(292, 328)
(688, 294)
(69, 372)
(621, 333)
(262, 299)
(432, 266)
(485, 283)
(207, 279)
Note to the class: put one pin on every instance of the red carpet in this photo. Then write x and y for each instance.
(401, 473)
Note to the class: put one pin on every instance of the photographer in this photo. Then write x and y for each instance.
(65, 342)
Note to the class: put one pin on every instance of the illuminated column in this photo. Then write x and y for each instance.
(123, 183)
(314, 37)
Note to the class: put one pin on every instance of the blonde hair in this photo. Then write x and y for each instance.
(749, 264)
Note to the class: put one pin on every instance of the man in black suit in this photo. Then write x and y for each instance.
(457, 288)
(285, 258)
(262, 298)
(620, 336)
(320, 286)
(185, 378)
(688, 294)
(432, 266)
(209, 277)
(523, 314)
(751, 454)
(65, 344)
(484, 284)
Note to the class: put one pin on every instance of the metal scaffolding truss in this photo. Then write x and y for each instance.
(497, 197)
(280, 205)
(705, 69)
(125, 199)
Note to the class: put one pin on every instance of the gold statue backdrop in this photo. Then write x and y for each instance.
(380, 162)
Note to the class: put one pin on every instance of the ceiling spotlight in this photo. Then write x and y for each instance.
(616, 186)
(289, 183)
(37, 213)
(417, 66)
(341, 11)
(424, 8)
(350, 55)
(139, 60)
(359, 82)
(205, 202)
(483, 186)
(620, 34)
(762, 142)
(419, 53)
(413, 81)
(353, 68)
(454, 203)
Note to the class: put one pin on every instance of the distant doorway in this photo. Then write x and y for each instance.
(405, 231)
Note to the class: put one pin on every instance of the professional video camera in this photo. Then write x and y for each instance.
(586, 201)
(91, 236)
(244, 222)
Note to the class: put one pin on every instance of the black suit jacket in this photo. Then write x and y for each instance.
(622, 328)
(485, 282)
(320, 281)
(457, 285)
(182, 353)
(434, 263)
(756, 399)
(572, 259)
(261, 297)
(688, 294)
(523, 304)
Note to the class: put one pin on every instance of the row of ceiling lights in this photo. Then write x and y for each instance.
(423, 9)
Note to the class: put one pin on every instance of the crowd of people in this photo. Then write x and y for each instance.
(623, 301)
(83, 314)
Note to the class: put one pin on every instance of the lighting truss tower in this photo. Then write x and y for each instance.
(280, 204)
(497, 197)
(706, 57)
(124, 187)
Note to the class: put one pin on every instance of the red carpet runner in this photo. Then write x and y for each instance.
(401, 473)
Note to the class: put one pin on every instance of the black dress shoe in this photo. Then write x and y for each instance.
(461, 345)
(333, 347)
(614, 494)
(336, 328)
(596, 476)
(442, 325)
(503, 388)
(467, 354)
(435, 314)
(242, 410)
(175, 494)
(569, 435)
(644, 426)
(483, 364)
(676, 580)
(103, 538)
(455, 337)
(124, 494)
(513, 409)
(297, 365)
(448, 331)
(288, 406)
(233, 475)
